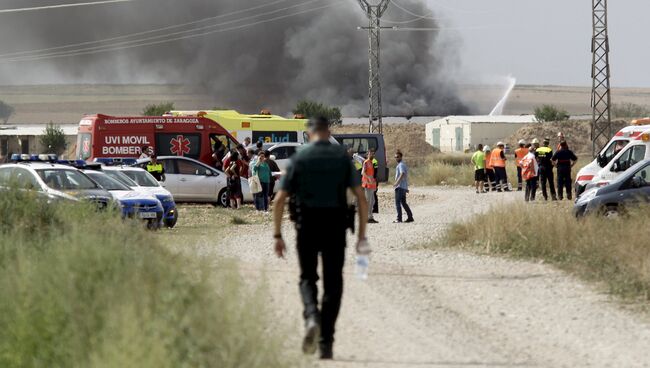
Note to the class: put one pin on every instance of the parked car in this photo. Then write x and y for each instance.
(281, 153)
(55, 181)
(141, 181)
(192, 181)
(632, 188)
(361, 143)
(133, 204)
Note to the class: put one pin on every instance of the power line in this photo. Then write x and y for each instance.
(109, 48)
(158, 37)
(143, 32)
(18, 10)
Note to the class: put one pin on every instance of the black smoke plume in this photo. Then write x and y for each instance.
(316, 55)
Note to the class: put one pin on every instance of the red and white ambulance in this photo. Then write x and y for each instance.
(103, 136)
(622, 138)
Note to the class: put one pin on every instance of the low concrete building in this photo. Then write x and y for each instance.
(463, 133)
(25, 138)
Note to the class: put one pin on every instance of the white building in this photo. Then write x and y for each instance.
(462, 133)
(25, 138)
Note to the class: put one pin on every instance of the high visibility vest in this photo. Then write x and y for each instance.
(368, 175)
(542, 152)
(520, 153)
(154, 168)
(495, 158)
(488, 161)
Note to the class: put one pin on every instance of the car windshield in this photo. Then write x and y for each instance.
(117, 175)
(142, 178)
(65, 179)
(107, 182)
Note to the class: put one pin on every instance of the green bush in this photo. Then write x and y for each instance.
(158, 109)
(547, 113)
(82, 288)
(54, 139)
(6, 111)
(312, 109)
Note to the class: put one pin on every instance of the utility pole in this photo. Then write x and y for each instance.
(374, 12)
(601, 123)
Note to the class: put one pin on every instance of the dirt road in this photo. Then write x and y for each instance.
(442, 308)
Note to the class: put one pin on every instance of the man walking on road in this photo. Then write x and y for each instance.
(369, 183)
(544, 154)
(564, 159)
(478, 159)
(317, 180)
(401, 189)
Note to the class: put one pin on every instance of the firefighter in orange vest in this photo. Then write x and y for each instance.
(489, 170)
(520, 153)
(369, 183)
(498, 161)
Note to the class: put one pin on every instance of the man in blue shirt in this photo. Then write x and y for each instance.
(401, 188)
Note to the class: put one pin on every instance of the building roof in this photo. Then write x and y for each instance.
(391, 120)
(507, 119)
(35, 129)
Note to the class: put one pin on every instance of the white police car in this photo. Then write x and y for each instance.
(133, 204)
(42, 174)
(141, 181)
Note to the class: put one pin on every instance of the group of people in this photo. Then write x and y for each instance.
(367, 169)
(241, 163)
(535, 164)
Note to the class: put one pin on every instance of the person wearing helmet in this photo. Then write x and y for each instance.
(489, 170)
(498, 163)
(520, 153)
(561, 139)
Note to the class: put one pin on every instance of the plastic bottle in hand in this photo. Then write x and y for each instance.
(362, 260)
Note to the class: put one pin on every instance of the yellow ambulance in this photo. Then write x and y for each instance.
(264, 126)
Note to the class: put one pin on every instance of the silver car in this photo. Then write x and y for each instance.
(190, 180)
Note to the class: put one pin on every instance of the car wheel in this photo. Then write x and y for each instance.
(222, 199)
(170, 223)
(611, 212)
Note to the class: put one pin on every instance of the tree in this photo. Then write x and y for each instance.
(5, 111)
(158, 109)
(53, 139)
(629, 110)
(313, 109)
(550, 113)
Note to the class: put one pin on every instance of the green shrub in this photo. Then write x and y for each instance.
(547, 113)
(81, 288)
(158, 109)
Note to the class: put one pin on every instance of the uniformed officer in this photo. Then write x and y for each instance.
(544, 155)
(317, 181)
(156, 169)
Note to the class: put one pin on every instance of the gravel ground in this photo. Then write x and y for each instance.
(443, 308)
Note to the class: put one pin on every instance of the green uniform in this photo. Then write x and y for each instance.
(317, 179)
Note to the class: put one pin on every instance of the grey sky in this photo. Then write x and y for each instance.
(546, 42)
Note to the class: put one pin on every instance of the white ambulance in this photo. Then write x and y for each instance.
(616, 145)
(634, 152)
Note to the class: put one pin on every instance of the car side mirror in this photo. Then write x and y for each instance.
(209, 173)
(637, 182)
(600, 160)
(616, 166)
(272, 157)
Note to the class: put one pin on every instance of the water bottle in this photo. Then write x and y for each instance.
(362, 260)
(362, 266)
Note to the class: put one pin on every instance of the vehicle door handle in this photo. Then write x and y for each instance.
(183, 179)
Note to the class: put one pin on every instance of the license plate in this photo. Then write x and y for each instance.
(147, 215)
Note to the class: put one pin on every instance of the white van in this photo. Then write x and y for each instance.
(637, 150)
(611, 149)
